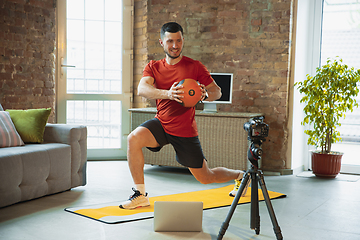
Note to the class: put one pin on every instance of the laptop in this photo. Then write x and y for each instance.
(178, 216)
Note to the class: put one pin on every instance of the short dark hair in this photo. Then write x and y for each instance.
(171, 27)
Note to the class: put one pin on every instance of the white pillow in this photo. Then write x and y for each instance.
(9, 137)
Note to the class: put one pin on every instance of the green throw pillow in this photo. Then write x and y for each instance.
(30, 124)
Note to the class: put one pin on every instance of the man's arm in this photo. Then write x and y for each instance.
(147, 90)
(213, 91)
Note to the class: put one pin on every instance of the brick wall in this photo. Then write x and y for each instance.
(249, 38)
(27, 60)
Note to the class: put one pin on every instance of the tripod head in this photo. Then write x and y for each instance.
(254, 153)
(257, 132)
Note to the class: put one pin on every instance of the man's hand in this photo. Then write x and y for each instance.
(203, 92)
(147, 90)
(174, 91)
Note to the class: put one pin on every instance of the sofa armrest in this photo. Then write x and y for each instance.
(76, 137)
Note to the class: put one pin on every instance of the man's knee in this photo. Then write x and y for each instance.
(203, 177)
(133, 140)
(205, 180)
(131, 137)
(141, 137)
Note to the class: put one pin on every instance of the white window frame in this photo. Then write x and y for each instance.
(127, 76)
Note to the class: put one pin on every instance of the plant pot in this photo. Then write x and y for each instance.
(326, 165)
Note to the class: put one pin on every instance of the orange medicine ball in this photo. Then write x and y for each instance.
(192, 92)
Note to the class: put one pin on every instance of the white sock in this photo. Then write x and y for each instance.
(141, 188)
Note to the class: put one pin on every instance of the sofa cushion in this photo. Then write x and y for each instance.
(9, 137)
(30, 123)
(33, 171)
(76, 136)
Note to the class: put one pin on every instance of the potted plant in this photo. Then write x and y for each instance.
(327, 96)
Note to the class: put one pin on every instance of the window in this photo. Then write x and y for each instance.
(94, 77)
(341, 37)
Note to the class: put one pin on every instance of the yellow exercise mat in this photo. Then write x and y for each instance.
(212, 198)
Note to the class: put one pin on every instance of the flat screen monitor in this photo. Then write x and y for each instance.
(225, 82)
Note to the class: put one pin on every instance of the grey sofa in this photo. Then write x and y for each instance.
(35, 170)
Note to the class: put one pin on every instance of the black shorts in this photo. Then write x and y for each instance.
(188, 149)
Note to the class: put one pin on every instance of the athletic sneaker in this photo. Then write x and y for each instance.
(237, 186)
(136, 200)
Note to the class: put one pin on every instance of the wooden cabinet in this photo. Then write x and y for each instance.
(222, 136)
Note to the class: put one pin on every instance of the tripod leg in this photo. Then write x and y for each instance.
(225, 224)
(269, 207)
(254, 216)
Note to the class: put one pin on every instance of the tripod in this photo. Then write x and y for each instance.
(256, 177)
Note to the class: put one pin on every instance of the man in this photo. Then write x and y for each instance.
(173, 123)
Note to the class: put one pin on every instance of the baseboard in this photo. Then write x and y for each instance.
(298, 170)
(277, 172)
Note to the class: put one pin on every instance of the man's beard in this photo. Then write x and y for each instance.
(172, 57)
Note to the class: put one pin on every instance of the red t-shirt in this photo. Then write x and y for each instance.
(176, 119)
